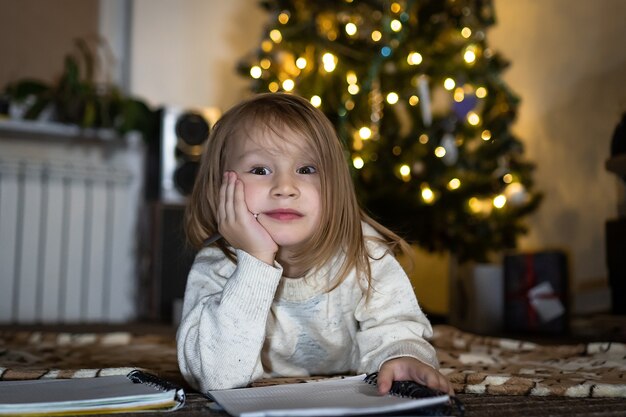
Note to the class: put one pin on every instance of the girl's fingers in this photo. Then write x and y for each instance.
(239, 201)
(446, 386)
(439, 382)
(238, 226)
(221, 207)
(229, 197)
(233, 209)
(384, 380)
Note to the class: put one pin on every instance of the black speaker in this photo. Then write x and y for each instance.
(172, 165)
(183, 135)
(169, 261)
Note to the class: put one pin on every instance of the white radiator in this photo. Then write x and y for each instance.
(68, 214)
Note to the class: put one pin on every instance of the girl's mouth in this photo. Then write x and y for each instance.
(284, 214)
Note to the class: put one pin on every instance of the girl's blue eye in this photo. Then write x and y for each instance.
(260, 171)
(307, 170)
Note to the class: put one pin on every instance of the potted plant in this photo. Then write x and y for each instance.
(77, 98)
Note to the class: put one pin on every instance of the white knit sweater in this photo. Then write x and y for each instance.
(244, 321)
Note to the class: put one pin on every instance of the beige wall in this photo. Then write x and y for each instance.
(36, 35)
(569, 67)
(184, 52)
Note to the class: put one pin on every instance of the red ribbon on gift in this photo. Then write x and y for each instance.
(530, 283)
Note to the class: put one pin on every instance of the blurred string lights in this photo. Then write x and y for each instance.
(416, 95)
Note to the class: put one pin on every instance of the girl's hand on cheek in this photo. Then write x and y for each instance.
(238, 225)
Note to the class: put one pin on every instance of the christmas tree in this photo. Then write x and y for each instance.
(416, 94)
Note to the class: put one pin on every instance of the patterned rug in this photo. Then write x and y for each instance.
(487, 365)
(475, 364)
(34, 355)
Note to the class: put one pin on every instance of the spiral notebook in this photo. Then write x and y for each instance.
(349, 396)
(137, 391)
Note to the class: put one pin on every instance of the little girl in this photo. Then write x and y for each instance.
(302, 281)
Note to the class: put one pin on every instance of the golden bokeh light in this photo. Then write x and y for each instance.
(256, 72)
(276, 36)
(365, 132)
(454, 184)
(392, 98)
(316, 101)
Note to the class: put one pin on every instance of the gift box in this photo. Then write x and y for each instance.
(476, 297)
(536, 292)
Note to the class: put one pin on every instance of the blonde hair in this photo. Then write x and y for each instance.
(340, 224)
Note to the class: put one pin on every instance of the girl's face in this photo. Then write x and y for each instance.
(281, 182)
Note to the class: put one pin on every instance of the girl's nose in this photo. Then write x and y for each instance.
(285, 186)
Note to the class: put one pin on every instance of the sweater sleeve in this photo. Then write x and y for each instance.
(225, 312)
(391, 323)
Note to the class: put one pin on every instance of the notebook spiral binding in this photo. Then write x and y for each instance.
(141, 377)
(411, 389)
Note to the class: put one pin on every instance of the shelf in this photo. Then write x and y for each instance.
(616, 164)
(58, 131)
